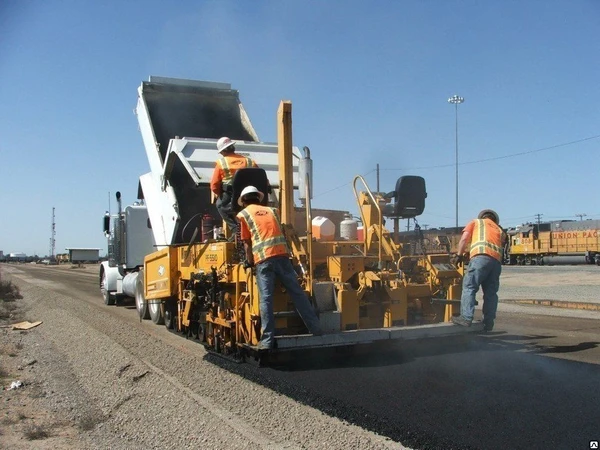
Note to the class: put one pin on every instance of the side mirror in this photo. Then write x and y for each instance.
(106, 223)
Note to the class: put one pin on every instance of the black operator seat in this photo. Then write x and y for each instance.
(249, 176)
(409, 198)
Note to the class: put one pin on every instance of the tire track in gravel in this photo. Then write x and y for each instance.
(121, 377)
(117, 383)
(111, 361)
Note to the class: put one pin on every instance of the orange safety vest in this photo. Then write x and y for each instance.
(230, 164)
(486, 238)
(265, 231)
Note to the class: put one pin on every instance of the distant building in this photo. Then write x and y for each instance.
(82, 255)
(17, 256)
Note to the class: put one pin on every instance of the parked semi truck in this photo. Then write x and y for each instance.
(198, 284)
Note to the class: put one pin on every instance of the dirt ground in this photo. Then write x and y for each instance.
(26, 421)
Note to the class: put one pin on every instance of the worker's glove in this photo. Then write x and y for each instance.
(456, 259)
(248, 264)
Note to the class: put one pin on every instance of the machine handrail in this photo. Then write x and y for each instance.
(376, 203)
(309, 235)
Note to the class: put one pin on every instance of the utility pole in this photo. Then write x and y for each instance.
(581, 216)
(425, 225)
(377, 177)
(539, 218)
(456, 100)
(52, 235)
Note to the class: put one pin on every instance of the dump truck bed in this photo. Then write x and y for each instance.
(180, 122)
(178, 108)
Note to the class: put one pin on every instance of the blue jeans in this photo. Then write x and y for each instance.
(482, 271)
(281, 268)
(225, 209)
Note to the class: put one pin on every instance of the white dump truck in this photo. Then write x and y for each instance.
(180, 122)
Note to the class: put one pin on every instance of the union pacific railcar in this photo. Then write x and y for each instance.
(559, 241)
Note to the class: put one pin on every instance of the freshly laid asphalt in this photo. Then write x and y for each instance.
(499, 391)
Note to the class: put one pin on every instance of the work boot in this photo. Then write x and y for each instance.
(488, 325)
(266, 345)
(460, 320)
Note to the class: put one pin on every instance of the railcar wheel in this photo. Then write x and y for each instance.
(108, 299)
(140, 301)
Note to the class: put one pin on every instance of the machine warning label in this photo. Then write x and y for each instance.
(211, 257)
(594, 444)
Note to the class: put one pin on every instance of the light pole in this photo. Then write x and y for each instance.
(456, 100)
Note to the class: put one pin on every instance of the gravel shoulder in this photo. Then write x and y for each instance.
(95, 377)
(568, 283)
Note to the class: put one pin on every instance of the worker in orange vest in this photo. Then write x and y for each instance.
(267, 248)
(484, 239)
(220, 184)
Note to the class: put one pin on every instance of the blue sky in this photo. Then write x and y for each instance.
(369, 82)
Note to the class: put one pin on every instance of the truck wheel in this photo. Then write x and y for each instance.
(156, 314)
(170, 313)
(108, 299)
(140, 301)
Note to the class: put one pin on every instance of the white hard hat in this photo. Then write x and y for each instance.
(250, 190)
(224, 143)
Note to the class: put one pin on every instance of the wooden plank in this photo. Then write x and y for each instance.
(25, 325)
